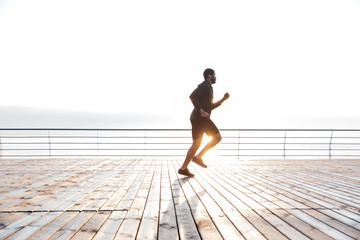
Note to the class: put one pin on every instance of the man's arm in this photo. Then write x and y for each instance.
(218, 103)
(196, 95)
(204, 114)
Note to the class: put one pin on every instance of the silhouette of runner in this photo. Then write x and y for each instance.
(202, 99)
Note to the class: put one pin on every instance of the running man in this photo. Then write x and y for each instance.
(202, 99)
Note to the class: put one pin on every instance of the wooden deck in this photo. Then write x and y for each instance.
(147, 199)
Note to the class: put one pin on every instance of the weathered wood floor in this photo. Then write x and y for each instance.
(147, 199)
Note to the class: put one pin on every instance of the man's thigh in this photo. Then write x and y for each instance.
(197, 129)
(210, 128)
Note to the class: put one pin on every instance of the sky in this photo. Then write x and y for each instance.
(286, 64)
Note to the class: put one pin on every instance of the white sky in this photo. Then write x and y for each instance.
(277, 59)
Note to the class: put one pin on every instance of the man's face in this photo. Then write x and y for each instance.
(213, 78)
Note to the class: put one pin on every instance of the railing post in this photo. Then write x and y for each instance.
(145, 143)
(0, 148)
(331, 137)
(49, 140)
(97, 143)
(239, 146)
(285, 144)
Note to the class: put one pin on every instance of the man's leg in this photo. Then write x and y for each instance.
(191, 152)
(215, 140)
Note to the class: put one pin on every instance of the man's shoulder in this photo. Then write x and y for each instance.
(204, 84)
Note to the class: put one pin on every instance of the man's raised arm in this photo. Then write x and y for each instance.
(218, 103)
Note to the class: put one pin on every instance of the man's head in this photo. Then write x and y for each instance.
(209, 75)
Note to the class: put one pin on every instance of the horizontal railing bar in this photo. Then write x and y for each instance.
(298, 137)
(93, 149)
(165, 137)
(280, 155)
(142, 143)
(180, 155)
(95, 143)
(86, 156)
(173, 129)
(288, 149)
(100, 129)
(85, 137)
(172, 149)
(304, 143)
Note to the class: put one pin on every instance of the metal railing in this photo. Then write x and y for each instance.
(236, 143)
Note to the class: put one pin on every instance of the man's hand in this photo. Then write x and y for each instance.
(204, 114)
(226, 96)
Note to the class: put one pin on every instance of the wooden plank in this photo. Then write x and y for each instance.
(320, 225)
(281, 201)
(235, 206)
(111, 194)
(11, 217)
(36, 200)
(167, 217)
(341, 218)
(322, 201)
(83, 191)
(21, 223)
(150, 219)
(27, 186)
(334, 181)
(73, 226)
(321, 189)
(89, 230)
(348, 177)
(205, 224)
(335, 224)
(287, 216)
(95, 199)
(308, 219)
(99, 189)
(130, 225)
(216, 209)
(77, 185)
(13, 186)
(125, 192)
(186, 224)
(65, 188)
(51, 228)
(30, 229)
(24, 186)
(62, 200)
(110, 227)
(254, 208)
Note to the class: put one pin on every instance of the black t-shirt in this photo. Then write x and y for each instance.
(202, 97)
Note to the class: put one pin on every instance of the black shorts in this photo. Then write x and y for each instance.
(201, 126)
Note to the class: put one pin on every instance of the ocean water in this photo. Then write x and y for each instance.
(243, 144)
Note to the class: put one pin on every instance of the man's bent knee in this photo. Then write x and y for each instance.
(218, 137)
